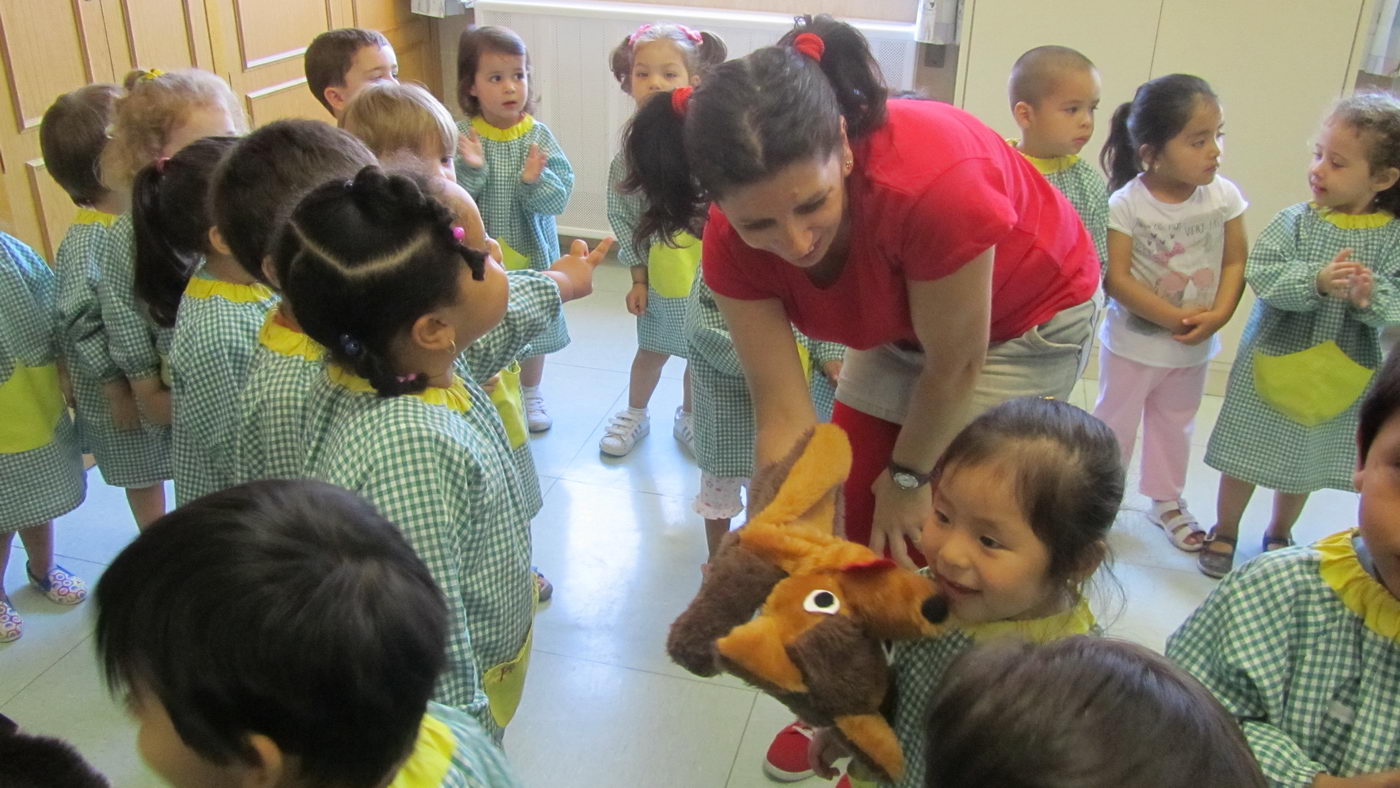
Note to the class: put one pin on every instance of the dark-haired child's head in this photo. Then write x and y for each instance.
(765, 137)
(340, 63)
(493, 75)
(1173, 128)
(1085, 712)
(394, 119)
(173, 225)
(282, 629)
(267, 173)
(661, 57)
(1356, 158)
(375, 271)
(1023, 499)
(1377, 475)
(72, 136)
(1054, 93)
(42, 762)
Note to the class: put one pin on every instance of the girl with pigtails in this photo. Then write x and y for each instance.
(907, 230)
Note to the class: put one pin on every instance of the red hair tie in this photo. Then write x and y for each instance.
(811, 45)
(680, 99)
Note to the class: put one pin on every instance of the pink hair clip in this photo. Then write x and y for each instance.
(160, 164)
(692, 34)
(459, 233)
(636, 34)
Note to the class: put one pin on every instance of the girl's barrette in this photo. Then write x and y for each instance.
(160, 164)
(691, 33)
(811, 45)
(680, 99)
(351, 346)
(151, 74)
(408, 379)
(459, 233)
(636, 34)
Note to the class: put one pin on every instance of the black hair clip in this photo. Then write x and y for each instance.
(351, 346)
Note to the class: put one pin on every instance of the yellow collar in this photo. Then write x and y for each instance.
(204, 287)
(1078, 620)
(431, 758)
(1362, 593)
(1353, 221)
(283, 340)
(94, 216)
(515, 132)
(1047, 166)
(455, 397)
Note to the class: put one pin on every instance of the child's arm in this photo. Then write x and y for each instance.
(1276, 273)
(130, 340)
(547, 180)
(82, 316)
(1375, 298)
(624, 212)
(708, 335)
(1135, 296)
(1204, 324)
(472, 167)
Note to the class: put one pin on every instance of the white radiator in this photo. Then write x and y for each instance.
(585, 108)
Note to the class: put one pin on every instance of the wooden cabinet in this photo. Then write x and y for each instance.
(48, 47)
(1276, 65)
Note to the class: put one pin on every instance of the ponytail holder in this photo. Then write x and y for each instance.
(459, 233)
(636, 34)
(691, 33)
(160, 164)
(408, 379)
(151, 74)
(680, 99)
(811, 45)
(351, 346)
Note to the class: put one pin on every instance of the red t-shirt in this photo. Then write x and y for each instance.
(932, 188)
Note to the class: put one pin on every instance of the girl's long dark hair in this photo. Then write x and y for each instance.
(171, 218)
(1159, 111)
(747, 120)
(361, 260)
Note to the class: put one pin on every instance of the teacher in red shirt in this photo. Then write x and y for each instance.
(907, 230)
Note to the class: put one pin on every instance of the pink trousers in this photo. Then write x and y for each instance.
(1163, 401)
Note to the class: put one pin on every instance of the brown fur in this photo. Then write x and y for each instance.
(827, 604)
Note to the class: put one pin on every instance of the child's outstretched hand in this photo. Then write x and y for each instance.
(470, 149)
(534, 165)
(125, 415)
(1335, 278)
(1361, 286)
(574, 271)
(637, 298)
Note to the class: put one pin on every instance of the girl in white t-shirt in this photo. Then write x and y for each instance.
(1176, 252)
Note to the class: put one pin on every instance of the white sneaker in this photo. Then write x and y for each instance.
(683, 431)
(625, 429)
(535, 415)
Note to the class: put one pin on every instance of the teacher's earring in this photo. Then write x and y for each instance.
(849, 165)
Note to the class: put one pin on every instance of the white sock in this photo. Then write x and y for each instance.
(530, 391)
(637, 411)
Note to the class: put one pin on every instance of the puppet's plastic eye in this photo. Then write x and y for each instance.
(821, 601)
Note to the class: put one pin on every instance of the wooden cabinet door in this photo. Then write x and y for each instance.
(47, 49)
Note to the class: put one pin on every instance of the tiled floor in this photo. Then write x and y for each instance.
(604, 706)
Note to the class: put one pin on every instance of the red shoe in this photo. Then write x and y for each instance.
(845, 781)
(786, 760)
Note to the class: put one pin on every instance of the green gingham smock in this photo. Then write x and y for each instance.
(37, 483)
(1085, 188)
(473, 761)
(271, 422)
(216, 332)
(520, 215)
(134, 342)
(123, 456)
(661, 328)
(722, 413)
(918, 667)
(1302, 646)
(447, 479)
(1252, 440)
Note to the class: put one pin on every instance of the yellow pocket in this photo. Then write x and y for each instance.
(32, 403)
(804, 356)
(671, 271)
(505, 683)
(1311, 386)
(514, 261)
(510, 403)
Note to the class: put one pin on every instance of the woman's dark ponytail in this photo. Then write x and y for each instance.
(850, 67)
(654, 142)
(171, 221)
(1118, 158)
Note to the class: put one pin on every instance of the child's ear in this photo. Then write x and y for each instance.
(269, 272)
(217, 242)
(1094, 557)
(336, 99)
(1386, 178)
(1021, 111)
(695, 80)
(270, 767)
(1145, 156)
(431, 332)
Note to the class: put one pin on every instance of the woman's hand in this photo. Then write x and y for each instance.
(637, 298)
(899, 513)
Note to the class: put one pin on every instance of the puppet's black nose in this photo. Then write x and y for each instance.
(935, 608)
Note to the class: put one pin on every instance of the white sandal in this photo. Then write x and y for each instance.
(1178, 527)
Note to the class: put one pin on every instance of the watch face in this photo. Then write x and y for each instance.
(906, 481)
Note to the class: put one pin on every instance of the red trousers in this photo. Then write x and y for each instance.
(872, 443)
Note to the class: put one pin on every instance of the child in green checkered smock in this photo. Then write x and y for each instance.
(1024, 500)
(1302, 645)
(270, 426)
(1054, 91)
(654, 58)
(212, 306)
(41, 464)
(1326, 277)
(724, 420)
(404, 427)
(517, 173)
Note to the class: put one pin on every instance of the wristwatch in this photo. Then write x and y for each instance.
(907, 479)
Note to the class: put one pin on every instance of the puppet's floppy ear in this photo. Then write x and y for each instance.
(810, 488)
